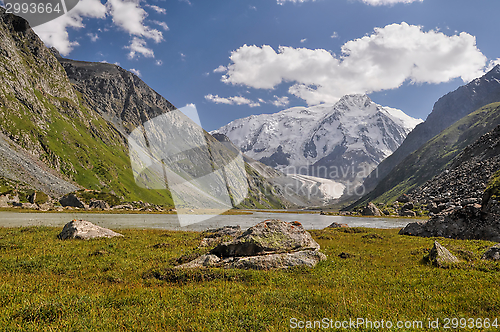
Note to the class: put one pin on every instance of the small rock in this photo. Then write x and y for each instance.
(408, 206)
(99, 204)
(492, 253)
(307, 258)
(440, 256)
(337, 225)
(202, 261)
(407, 213)
(345, 255)
(85, 230)
(403, 198)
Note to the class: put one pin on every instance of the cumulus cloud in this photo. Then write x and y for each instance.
(280, 101)
(54, 33)
(135, 71)
(236, 100)
(138, 47)
(128, 16)
(383, 60)
(159, 10)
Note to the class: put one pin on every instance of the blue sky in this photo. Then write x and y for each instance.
(234, 58)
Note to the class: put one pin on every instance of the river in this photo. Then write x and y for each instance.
(170, 222)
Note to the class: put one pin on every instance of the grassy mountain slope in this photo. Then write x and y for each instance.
(70, 120)
(432, 158)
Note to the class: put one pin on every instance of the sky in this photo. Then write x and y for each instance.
(235, 58)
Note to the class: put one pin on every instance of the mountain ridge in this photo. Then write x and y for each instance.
(304, 140)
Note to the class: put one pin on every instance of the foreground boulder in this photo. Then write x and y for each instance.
(272, 244)
(492, 253)
(440, 256)
(270, 236)
(85, 230)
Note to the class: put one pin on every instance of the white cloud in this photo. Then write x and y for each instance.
(334, 35)
(280, 101)
(303, 40)
(237, 100)
(138, 47)
(54, 33)
(129, 16)
(159, 62)
(135, 71)
(93, 36)
(162, 24)
(157, 9)
(492, 64)
(281, 2)
(187, 1)
(388, 2)
(220, 69)
(380, 61)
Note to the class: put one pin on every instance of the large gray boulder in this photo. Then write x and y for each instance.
(73, 201)
(440, 256)
(371, 210)
(272, 244)
(492, 253)
(270, 236)
(85, 230)
(214, 237)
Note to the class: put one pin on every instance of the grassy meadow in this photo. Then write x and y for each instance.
(127, 284)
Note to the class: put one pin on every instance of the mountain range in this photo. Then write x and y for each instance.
(343, 142)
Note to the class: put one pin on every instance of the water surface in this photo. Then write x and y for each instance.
(170, 222)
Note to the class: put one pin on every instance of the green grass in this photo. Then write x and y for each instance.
(126, 284)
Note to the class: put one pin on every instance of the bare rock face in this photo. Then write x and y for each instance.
(493, 253)
(440, 256)
(371, 210)
(85, 230)
(272, 244)
(270, 236)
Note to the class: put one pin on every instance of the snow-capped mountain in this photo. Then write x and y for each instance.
(344, 141)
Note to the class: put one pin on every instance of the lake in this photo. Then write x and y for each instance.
(170, 222)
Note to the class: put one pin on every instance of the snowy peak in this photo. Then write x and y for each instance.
(301, 140)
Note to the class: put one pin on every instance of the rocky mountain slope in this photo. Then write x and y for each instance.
(64, 124)
(463, 199)
(343, 142)
(435, 156)
(447, 110)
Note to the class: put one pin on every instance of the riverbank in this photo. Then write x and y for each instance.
(124, 284)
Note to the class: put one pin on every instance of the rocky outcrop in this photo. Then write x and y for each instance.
(468, 222)
(85, 230)
(272, 244)
(440, 256)
(371, 210)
